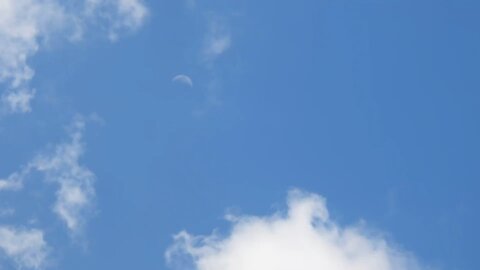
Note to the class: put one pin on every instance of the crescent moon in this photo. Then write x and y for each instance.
(183, 79)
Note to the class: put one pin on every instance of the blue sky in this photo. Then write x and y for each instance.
(106, 154)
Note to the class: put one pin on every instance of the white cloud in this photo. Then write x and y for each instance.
(22, 24)
(26, 247)
(74, 198)
(305, 238)
(75, 195)
(26, 24)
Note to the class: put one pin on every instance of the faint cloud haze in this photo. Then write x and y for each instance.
(217, 40)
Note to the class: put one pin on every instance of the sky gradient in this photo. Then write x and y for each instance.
(175, 134)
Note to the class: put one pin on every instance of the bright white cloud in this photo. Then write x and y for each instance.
(305, 238)
(26, 247)
(62, 166)
(26, 24)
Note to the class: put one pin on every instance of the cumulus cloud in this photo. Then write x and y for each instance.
(26, 24)
(61, 165)
(304, 238)
(26, 247)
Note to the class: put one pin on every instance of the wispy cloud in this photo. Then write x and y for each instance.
(13, 182)
(26, 24)
(25, 247)
(116, 15)
(217, 40)
(303, 238)
(61, 165)
(18, 100)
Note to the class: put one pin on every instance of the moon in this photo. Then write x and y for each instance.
(183, 79)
